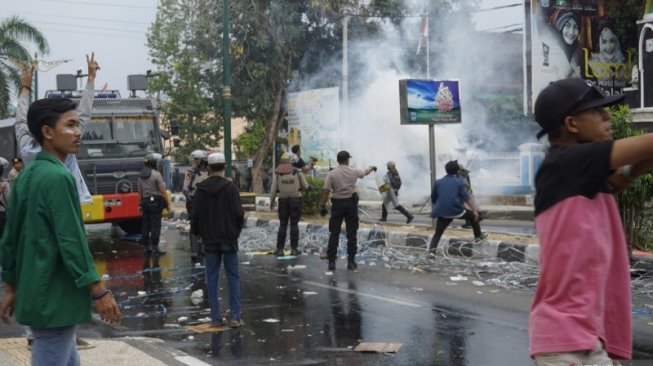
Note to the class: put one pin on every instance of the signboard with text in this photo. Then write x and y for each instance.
(313, 123)
(577, 39)
(429, 101)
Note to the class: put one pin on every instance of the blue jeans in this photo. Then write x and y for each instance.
(213, 261)
(55, 346)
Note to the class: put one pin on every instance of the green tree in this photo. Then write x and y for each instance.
(273, 44)
(634, 202)
(179, 45)
(16, 35)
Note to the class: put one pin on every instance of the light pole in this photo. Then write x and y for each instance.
(226, 91)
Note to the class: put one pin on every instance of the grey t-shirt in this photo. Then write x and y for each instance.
(152, 185)
(342, 181)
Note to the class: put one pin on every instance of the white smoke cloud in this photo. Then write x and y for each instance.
(371, 130)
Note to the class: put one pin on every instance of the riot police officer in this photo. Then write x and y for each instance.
(153, 200)
(286, 183)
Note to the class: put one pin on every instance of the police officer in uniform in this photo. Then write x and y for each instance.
(197, 174)
(286, 183)
(341, 182)
(153, 198)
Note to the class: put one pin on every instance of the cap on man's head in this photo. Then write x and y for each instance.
(391, 164)
(217, 158)
(567, 97)
(343, 155)
(16, 160)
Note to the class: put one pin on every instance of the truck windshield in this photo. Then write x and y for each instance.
(118, 136)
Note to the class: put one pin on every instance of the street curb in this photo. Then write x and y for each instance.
(456, 246)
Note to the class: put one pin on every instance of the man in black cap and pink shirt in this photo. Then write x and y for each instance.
(581, 312)
(341, 182)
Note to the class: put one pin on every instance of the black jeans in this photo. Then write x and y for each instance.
(290, 209)
(343, 209)
(151, 230)
(444, 222)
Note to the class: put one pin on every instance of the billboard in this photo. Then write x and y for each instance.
(577, 39)
(313, 123)
(429, 101)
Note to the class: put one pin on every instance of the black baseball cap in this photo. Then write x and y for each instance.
(343, 155)
(567, 97)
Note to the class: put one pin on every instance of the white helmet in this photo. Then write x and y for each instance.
(198, 154)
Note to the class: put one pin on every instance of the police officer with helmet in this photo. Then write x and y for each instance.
(153, 200)
(286, 183)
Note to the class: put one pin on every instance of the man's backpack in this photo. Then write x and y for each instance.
(395, 181)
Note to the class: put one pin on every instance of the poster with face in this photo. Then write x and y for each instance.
(576, 39)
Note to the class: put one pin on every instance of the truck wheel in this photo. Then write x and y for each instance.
(131, 227)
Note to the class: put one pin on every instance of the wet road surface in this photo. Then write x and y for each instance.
(299, 315)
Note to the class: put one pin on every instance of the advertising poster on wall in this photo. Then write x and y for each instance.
(429, 101)
(313, 123)
(577, 39)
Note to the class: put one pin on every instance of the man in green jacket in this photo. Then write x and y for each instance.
(50, 278)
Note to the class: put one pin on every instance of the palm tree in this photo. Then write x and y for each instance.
(15, 36)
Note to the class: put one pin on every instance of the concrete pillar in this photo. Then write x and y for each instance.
(530, 158)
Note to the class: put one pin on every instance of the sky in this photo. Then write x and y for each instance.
(116, 32)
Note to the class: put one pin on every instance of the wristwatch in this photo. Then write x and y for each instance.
(100, 294)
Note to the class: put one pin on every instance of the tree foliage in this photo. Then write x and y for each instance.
(634, 202)
(273, 45)
(16, 36)
(183, 44)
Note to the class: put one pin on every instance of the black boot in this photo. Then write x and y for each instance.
(332, 265)
(148, 256)
(384, 213)
(409, 216)
(351, 263)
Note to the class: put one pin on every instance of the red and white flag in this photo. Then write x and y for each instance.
(423, 33)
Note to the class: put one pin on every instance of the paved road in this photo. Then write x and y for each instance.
(298, 315)
(321, 317)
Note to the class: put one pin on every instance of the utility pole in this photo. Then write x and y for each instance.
(345, 76)
(226, 91)
(44, 66)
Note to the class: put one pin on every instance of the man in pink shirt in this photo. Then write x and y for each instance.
(581, 313)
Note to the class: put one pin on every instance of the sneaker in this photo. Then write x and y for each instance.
(480, 238)
(351, 264)
(82, 344)
(295, 252)
(279, 253)
(383, 219)
(409, 219)
(237, 323)
(332, 265)
(431, 255)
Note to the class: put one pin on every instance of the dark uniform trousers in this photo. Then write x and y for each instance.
(290, 209)
(343, 209)
(152, 208)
